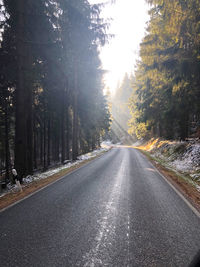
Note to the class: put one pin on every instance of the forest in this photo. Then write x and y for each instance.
(52, 106)
(120, 113)
(165, 101)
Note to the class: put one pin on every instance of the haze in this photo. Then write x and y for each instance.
(128, 25)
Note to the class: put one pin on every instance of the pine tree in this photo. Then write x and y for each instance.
(167, 79)
(51, 78)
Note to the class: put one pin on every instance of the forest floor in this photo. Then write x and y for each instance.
(37, 181)
(179, 162)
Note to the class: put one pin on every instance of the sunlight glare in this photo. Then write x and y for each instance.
(128, 24)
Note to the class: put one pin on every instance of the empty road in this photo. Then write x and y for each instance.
(115, 211)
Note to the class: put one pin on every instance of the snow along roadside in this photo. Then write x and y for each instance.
(183, 158)
(187, 191)
(30, 179)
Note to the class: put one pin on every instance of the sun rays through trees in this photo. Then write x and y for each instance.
(52, 106)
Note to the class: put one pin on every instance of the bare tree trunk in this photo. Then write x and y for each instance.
(29, 131)
(49, 143)
(20, 123)
(75, 129)
(41, 145)
(58, 147)
(75, 117)
(35, 143)
(63, 120)
(7, 150)
(44, 149)
(67, 133)
(54, 146)
(24, 97)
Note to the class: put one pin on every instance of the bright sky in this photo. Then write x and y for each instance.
(128, 26)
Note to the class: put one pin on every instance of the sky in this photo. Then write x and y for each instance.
(128, 24)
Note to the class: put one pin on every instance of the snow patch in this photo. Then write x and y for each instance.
(43, 175)
(189, 161)
(106, 144)
(180, 156)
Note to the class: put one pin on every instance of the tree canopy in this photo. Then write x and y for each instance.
(166, 94)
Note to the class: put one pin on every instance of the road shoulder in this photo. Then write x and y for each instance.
(11, 198)
(189, 192)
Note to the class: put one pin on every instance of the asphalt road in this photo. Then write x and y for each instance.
(115, 211)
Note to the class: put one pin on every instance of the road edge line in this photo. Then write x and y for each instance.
(195, 211)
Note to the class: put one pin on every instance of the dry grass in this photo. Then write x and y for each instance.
(151, 144)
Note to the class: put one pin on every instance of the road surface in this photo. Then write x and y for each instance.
(115, 211)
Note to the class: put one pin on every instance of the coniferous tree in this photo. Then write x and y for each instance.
(50, 74)
(167, 79)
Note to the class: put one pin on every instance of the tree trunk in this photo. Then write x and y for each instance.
(75, 129)
(20, 123)
(29, 151)
(49, 143)
(35, 143)
(24, 120)
(58, 147)
(7, 150)
(184, 127)
(67, 133)
(41, 145)
(44, 149)
(54, 146)
(75, 117)
(63, 121)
